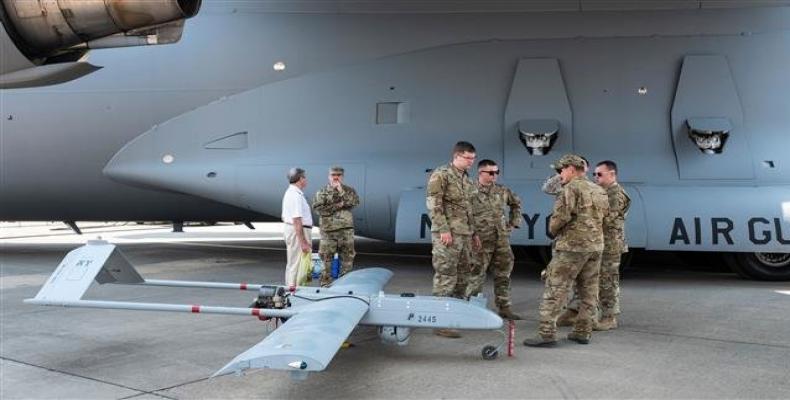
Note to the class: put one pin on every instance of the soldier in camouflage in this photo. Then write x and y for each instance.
(333, 203)
(577, 225)
(614, 244)
(553, 186)
(448, 198)
(494, 227)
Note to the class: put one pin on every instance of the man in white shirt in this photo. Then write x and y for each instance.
(298, 224)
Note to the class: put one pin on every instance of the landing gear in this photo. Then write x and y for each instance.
(490, 352)
(760, 266)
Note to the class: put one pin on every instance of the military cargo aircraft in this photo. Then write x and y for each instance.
(689, 97)
(46, 42)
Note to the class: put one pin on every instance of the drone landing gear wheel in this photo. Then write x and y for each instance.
(490, 352)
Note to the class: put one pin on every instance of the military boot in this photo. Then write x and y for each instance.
(606, 324)
(448, 333)
(567, 318)
(506, 313)
(578, 337)
(540, 341)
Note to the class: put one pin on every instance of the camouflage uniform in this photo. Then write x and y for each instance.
(552, 185)
(493, 229)
(337, 228)
(577, 225)
(448, 199)
(614, 247)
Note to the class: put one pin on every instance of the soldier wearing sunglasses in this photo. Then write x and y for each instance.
(493, 225)
(614, 244)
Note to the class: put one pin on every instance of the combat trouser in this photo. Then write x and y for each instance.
(496, 255)
(341, 242)
(565, 268)
(609, 291)
(610, 285)
(451, 265)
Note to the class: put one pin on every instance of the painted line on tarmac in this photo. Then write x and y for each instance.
(236, 246)
(86, 231)
(787, 292)
(141, 391)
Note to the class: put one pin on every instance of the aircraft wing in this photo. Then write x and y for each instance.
(307, 341)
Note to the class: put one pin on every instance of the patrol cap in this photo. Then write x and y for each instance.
(568, 159)
(336, 169)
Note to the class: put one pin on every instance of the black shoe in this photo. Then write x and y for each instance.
(540, 341)
(580, 338)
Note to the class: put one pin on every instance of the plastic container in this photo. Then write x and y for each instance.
(318, 265)
(335, 266)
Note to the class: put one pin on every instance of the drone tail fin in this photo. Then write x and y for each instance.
(97, 260)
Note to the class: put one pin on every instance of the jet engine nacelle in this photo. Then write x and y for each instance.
(44, 42)
(394, 335)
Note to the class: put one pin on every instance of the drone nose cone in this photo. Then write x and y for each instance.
(492, 321)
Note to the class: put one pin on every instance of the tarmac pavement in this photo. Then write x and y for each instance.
(685, 332)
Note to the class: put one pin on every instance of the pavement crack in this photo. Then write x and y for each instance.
(141, 391)
(174, 387)
(779, 346)
(562, 386)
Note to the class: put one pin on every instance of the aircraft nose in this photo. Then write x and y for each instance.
(206, 152)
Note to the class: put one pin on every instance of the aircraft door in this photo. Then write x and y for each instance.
(708, 133)
(538, 125)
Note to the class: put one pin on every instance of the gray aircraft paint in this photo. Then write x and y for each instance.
(458, 83)
(460, 92)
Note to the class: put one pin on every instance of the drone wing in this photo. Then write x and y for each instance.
(307, 341)
(367, 281)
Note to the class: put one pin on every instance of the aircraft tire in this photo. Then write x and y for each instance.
(490, 352)
(762, 266)
(626, 260)
(731, 260)
(544, 255)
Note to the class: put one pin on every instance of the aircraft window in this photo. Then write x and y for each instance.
(388, 113)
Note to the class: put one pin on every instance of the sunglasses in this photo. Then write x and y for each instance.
(336, 174)
(490, 172)
(599, 174)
